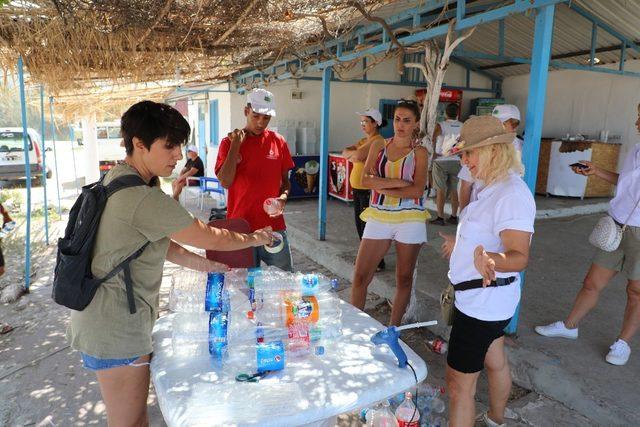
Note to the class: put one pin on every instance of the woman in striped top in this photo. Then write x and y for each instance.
(395, 171)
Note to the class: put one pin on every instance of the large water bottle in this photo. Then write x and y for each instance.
(187, 291)
(314, 283)
(218, 323)
(382, 416)
(213, 298)
(407, 414)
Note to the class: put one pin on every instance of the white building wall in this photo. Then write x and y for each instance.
(585, 102)
(346, 99)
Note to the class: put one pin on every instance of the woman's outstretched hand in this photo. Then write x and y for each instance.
(485, 265)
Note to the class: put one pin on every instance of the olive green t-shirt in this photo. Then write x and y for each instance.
(132, 216)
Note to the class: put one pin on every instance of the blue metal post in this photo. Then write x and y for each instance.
(501, 37)
(55, 154)
(460, 10)
(27, 170)
(73, 156)
(541, 55)
(324, 152)
(594, 39)
(44, 167)
(623, 56)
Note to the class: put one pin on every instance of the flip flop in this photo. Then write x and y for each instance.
(5, 328)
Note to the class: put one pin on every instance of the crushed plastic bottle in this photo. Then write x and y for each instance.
(438, 346)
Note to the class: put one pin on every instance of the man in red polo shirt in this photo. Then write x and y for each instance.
(253, 164)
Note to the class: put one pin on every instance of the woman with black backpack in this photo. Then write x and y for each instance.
(145, 226)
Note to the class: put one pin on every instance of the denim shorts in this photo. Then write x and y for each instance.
(95, 364)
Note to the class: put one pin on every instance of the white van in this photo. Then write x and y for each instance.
(12, 155)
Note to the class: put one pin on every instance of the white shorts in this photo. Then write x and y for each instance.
(412, 233)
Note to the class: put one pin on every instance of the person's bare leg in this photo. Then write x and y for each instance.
(631, 321)
(499, 376)
(454, 203)
(406, 257)
(440, 199)
(125, 390)
(596, 280)
(370, 253)
(462, 391)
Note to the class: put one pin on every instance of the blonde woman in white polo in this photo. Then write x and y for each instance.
(605, 265)
(490, 248)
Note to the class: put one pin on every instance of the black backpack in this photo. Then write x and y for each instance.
(73, 284)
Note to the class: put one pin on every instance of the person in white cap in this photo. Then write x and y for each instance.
(509, 115)
(370, 122)
(444, 168)
(193, 167)
(253, 164)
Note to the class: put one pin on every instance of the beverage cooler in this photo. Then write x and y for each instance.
(339, 170)
(447, 96)
(305, 176)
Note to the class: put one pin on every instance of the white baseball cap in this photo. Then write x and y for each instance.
(374, 114)
(505, 112)
(192, 148)
(261, 101)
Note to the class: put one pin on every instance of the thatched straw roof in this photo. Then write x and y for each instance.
(77, 48)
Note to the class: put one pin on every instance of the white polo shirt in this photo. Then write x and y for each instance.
(503, 205)
(628, 190)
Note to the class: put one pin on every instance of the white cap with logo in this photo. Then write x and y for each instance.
(261, 101)
(373, 113)
(505, 112)
(192, 148)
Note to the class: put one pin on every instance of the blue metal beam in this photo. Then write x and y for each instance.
(44, 167)
(541, 55)
(324, 152)
(384, 82)
(604, 26)
(480, 18)
(553, 63)
(460, 10)
(501, 37)
(27, 172)
(594, 39)
(55, 154)
(520, 6)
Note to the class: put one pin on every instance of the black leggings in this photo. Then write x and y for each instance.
(360, 203)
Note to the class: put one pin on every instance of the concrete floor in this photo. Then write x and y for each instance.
(572, 372)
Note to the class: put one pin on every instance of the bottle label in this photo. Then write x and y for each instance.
(299, 339)
(213, 294)
(270, 356)
(217, 333)
(309, 284)
(408, 423)
(305, 308)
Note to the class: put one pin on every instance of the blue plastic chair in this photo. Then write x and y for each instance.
(209, 185)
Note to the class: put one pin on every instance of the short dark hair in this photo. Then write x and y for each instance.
(451, 110)
(149, 121)
(410, 105)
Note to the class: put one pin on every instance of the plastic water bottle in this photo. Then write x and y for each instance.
(186, 293)
(272, 206)
(407, 414)
(218, 334)
(438, 346)
(381, 416)
(213, 293)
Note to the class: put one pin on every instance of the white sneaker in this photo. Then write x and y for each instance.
(619, 353)
(557, 329)
(488, 422)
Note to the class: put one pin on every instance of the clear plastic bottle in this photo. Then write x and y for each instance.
(407, 414)
(272, 206)
(382, 416)
(187, 291)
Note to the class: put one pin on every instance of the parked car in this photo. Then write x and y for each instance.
(12, 155)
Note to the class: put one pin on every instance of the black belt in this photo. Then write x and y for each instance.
(477, 283)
